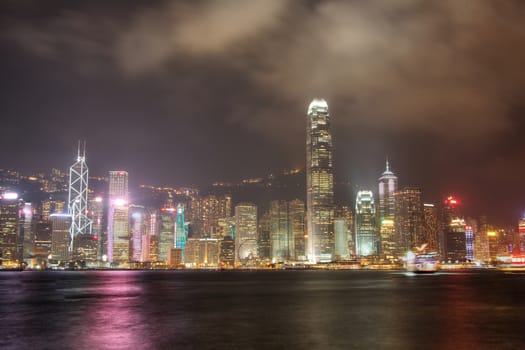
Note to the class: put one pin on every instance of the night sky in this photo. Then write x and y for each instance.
(190, 92)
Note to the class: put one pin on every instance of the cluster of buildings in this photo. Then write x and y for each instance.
(60, 221)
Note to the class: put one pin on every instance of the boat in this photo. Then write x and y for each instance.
(422, 261)
(512, 263)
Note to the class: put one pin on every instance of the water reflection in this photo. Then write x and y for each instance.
(115, 317)
(288, 309)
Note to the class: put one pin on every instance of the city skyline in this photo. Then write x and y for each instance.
(140, 84)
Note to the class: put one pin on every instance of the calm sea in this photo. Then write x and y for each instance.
(261, 310)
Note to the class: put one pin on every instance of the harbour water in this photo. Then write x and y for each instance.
(261, 310)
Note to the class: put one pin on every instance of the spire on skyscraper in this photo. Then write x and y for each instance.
(387, 168)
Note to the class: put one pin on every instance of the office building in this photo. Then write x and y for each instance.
(10, 229)
(166, 232)
(389, 242)
(365, 224)
(138, 226)
(431, 226)
(78, 203)
(297, 222)
(202, 252)
(246, 250)
(181, 229)
(409, 218)
(118, 218)
(341, 238)
(60, 236)
(453, 231)
(319, 183)
(264, 229)
(227, 252)
(280, 233)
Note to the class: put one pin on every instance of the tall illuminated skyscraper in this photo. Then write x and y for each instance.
(387, 187)
(521, 233)
(118, 218)
(28, 235)
(341, 238)
(280, 233)
(409, 218)
(10, 227)
(99, 225)
(365, 224)
(166, 232)
(454, 236)
(387, 233)
(296, 215)
(78, 198)
(181, 230)
(246, 247)
(60, 236)
(319, 183)
(137, 230)
(430, 226)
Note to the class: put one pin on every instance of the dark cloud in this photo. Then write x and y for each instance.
(438, 83)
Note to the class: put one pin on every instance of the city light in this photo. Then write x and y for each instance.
(119, 202)
(451, 201)
(10, 195)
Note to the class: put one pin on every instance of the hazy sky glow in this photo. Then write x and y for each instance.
(189, 92)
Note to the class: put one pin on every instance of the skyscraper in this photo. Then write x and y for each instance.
(264, 228)
(296, 216)
(28, 235)
(118, 218)
(387, 187)
(279, 231)
(181, 230)
(521, 233)
(137, 230)
(365, 224)
(341, 238)
(388, 240)
(453, 231)
(166, 232)
(346, 213)
(206, 213)
(60, 236)
(319, 183)
(78, 198)
(245, 233)
(409, 218)
(98, 224)
(10, 242)
(430, 226)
